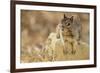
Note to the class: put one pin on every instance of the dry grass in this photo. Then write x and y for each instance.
(57, 54)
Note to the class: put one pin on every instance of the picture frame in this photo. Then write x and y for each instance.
(19, 10)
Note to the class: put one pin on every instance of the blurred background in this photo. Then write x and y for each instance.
(37, 25)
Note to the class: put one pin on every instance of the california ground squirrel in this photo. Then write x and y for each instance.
(69, 31)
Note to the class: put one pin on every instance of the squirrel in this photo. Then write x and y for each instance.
(69, 32)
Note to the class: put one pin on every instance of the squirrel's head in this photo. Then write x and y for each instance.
(66, 21)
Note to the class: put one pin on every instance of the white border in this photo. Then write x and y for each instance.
(51, 64)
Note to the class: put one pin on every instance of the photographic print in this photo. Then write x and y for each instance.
(54, 36)
(48, 36)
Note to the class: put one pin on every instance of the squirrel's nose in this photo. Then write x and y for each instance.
(62, 29)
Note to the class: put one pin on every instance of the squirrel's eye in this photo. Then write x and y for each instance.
(68, 24)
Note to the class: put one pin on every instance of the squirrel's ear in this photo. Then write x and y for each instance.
(64, 16)
(71, 19)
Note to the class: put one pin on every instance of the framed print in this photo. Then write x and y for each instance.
(52, 36)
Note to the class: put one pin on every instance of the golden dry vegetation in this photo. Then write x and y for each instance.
(35, 29)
